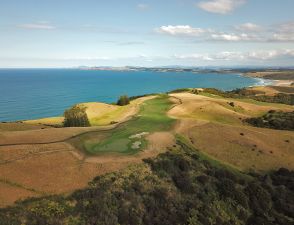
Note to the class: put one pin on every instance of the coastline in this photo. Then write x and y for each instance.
(256, 81)
(283, 83)
(273, 78)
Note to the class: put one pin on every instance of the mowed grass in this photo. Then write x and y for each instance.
(152, 117)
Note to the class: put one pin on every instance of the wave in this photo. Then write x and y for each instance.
(263, 82)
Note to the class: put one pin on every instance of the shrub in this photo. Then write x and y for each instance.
(76, 117)
(123, 100)
(275, 120)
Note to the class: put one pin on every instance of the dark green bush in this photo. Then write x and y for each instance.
(123, 100)
(76, 116)
(275, 120)
(255, 95)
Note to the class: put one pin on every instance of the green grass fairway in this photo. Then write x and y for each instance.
(152, 117)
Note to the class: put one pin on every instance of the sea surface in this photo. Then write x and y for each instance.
(37, 93)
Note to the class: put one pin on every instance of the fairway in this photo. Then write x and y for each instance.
(129, 137)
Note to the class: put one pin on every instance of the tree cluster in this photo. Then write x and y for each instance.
(123, 100)
(76, 116)
(177, 187)
(274, 119)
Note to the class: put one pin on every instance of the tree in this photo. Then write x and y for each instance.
(123, 100)
(76, 116)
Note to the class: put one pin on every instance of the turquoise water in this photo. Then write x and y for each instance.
(37, 93)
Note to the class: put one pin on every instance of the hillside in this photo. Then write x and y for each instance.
(37, 160)
(181, 186)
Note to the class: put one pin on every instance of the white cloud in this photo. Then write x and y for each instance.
(226, 37)
(220, 6)
(234, 37)
(286, 27)
(283, 32)
(205, 34)
(239, 56)
(37, 26)
(282, 37)
(185, 30)
(85, 58)
(248, 27)
(247, 32)
(143, 6)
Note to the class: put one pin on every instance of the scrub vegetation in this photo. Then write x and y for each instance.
(123, 100)
(258, 96)
(275, 120)
(177, 187)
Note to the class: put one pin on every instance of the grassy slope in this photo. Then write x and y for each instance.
(220, 135)
(152, 117)
(99, 114)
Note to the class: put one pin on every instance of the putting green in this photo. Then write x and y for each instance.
(152, 117)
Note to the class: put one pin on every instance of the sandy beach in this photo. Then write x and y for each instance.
(282, 83)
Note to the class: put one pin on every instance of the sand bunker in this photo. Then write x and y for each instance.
(140, 135)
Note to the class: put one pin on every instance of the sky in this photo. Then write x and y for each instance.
(72, 33)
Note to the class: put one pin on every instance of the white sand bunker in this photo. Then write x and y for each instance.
(140, 135)
(136, 145)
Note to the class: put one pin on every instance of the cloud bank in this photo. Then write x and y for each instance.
(220, 6)
(248, 32)
(37, 26)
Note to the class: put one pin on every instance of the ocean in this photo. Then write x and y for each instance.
(37, 93)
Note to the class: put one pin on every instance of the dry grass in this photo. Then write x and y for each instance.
(274, 75)
(10, 194)
(14, 126)
(46, 169)
(41, 135)
(258, 149)
(51, 121)
(56, 168)
(99, 114)
(272, 90)
(215, 128)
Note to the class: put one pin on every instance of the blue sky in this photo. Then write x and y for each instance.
(67, 33)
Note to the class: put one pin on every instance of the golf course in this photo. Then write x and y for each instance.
(40, 157)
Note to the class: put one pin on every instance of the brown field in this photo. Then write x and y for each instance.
(10, 193)
(42, 169)
(218, 131)
(41, 135)
(18, 126)
(264, 90)
(272, 90)
(35, 160)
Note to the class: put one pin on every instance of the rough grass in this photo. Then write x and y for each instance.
(152, 117)
(51, 121)
(184, 143)
(216, 129)
(14, 126)
(246, 100)
(107, 118)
